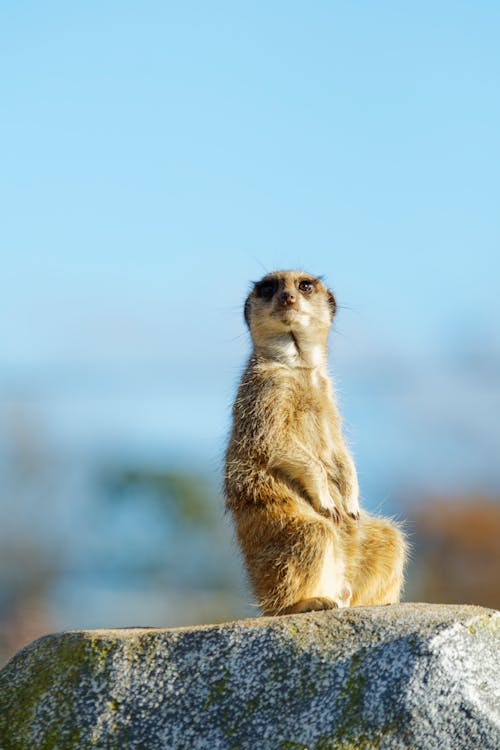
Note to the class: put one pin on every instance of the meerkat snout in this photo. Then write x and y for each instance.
(287, 298)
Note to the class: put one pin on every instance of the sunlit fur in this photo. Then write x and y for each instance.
(290, 481)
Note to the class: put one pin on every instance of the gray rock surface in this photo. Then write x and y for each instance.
(404, 676)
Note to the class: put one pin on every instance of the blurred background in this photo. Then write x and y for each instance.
(157, 157)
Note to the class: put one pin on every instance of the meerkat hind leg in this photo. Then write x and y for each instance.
(299, 567)
(329, 590)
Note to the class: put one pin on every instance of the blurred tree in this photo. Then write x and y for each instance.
(456, 556)
(27, 571)
(188, 496)
(180, 515)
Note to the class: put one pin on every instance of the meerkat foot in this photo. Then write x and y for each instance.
(345, 596)
(311, 605)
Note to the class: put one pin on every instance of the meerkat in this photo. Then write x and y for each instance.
(290, 480)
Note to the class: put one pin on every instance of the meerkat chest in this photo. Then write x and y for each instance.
(317, 414)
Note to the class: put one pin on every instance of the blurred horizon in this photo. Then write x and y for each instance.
(158, 158)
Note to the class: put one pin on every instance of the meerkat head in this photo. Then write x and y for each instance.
(289, 302)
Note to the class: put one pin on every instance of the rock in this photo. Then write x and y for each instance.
(403, 676)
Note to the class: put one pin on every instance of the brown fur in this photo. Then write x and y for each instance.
(290, 481)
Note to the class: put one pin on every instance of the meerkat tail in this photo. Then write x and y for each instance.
(375, 567)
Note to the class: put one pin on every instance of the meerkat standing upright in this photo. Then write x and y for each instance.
(290, 481)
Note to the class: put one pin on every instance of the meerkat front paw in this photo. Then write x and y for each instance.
(328, 508)
(352, 507)
(333, 514)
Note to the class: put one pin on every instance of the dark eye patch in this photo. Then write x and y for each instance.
(266, 289)
(306, 286)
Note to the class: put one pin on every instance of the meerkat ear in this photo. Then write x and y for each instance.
(331, 302)
(246, 310)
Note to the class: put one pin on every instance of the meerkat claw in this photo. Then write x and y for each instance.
(334, 515)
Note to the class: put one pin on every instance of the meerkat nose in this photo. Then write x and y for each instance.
(287, 298)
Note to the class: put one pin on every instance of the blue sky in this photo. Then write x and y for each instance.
(157, 156)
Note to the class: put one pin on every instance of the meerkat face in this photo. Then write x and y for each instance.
(289, 301)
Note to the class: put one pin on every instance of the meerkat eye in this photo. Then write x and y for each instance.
(306, 286)
(266, 289)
